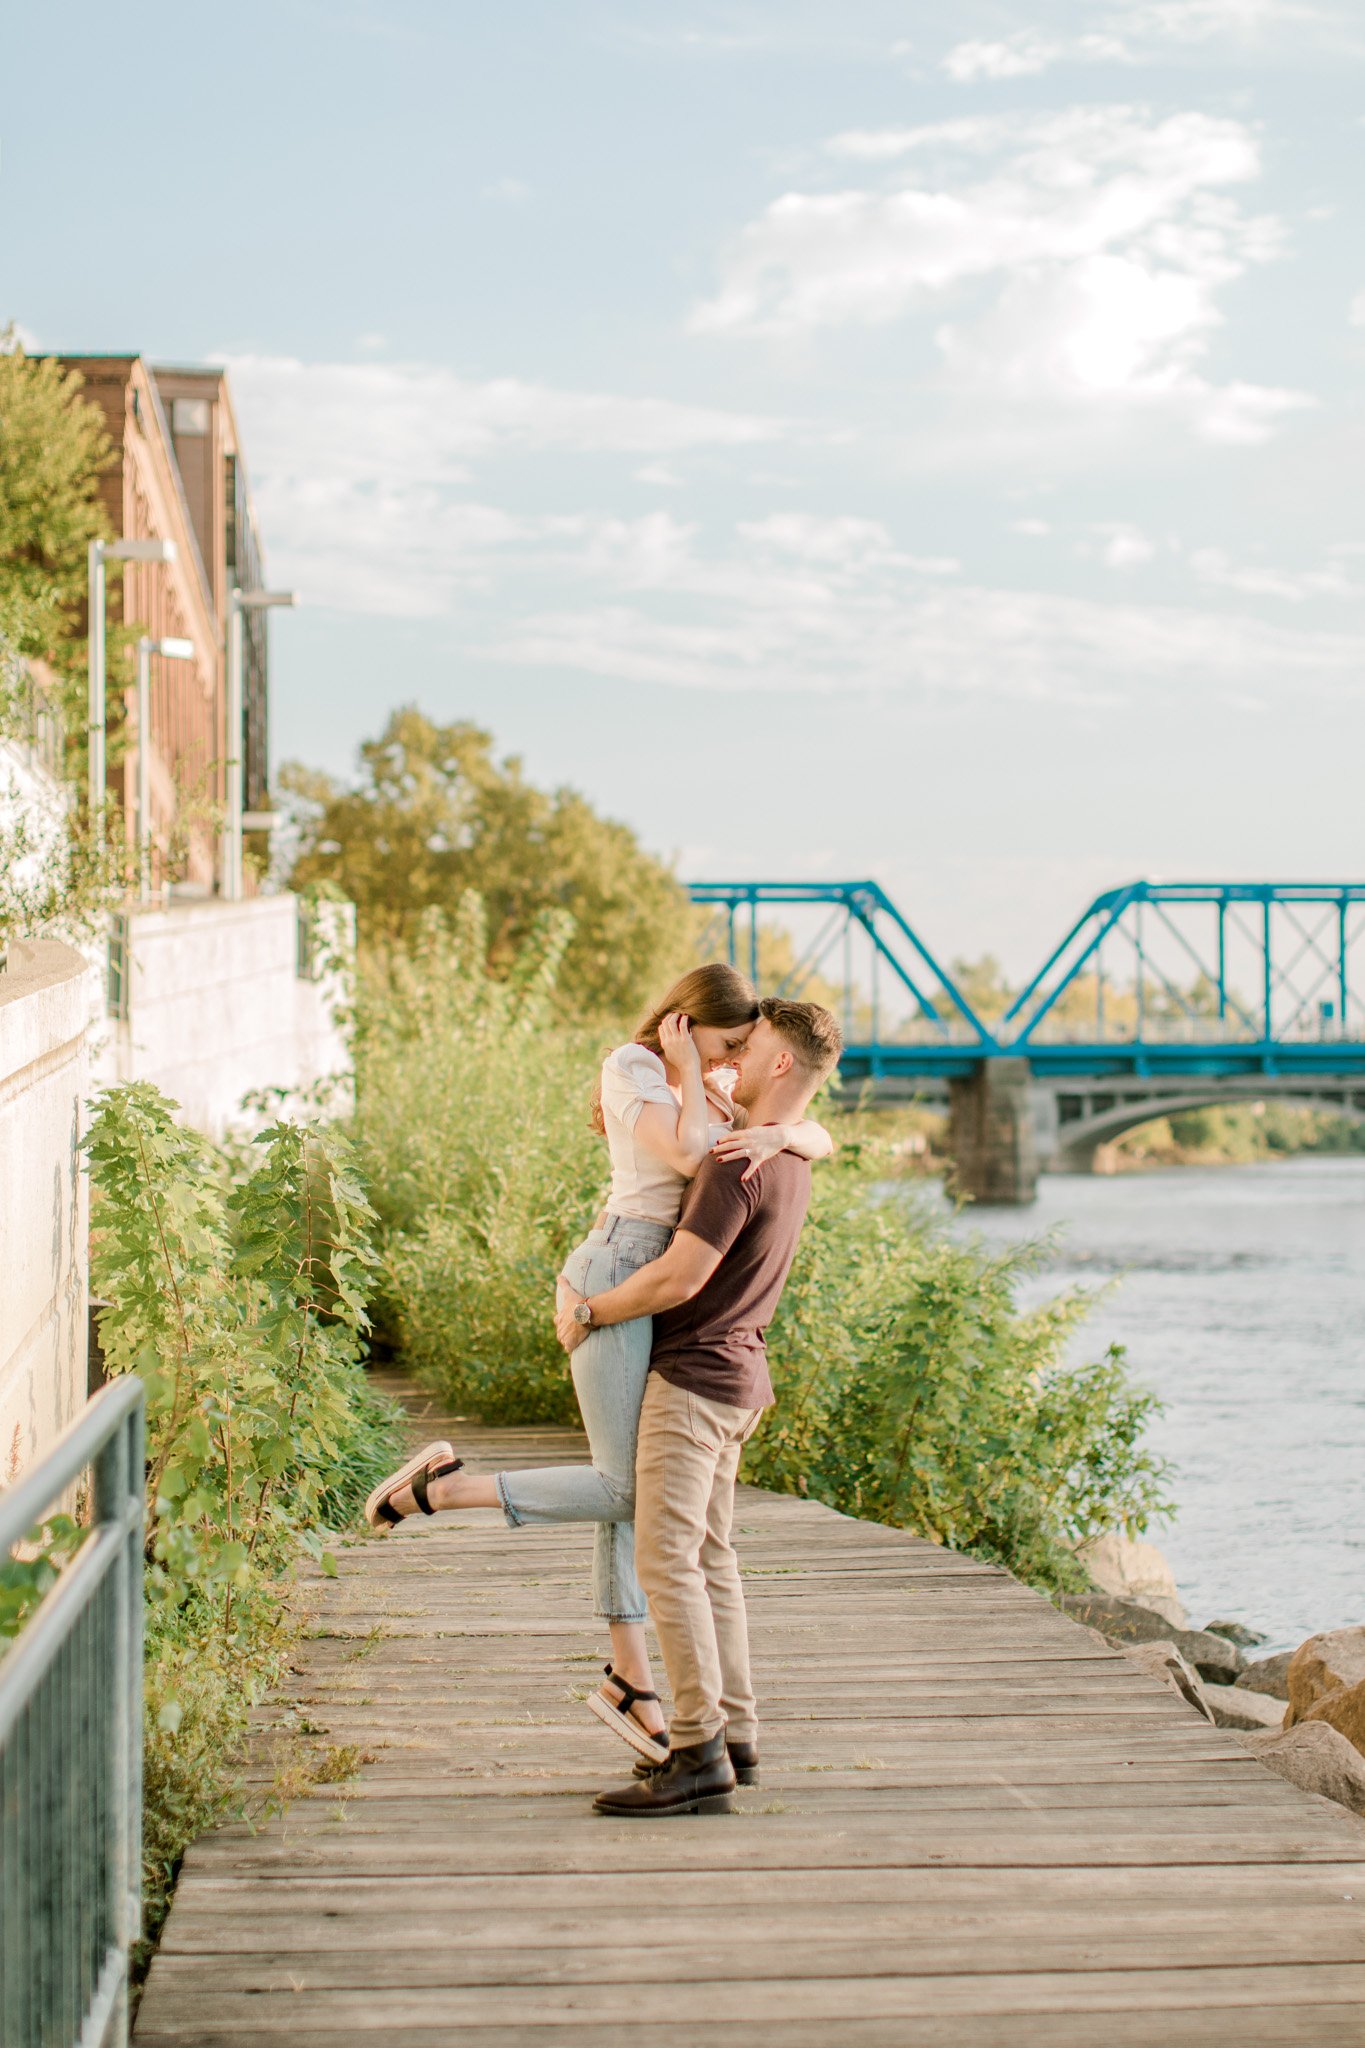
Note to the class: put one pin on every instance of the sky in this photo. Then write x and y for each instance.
(866, 440)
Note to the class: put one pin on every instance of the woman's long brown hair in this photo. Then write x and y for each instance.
(716, 995)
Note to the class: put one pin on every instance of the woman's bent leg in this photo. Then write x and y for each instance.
(610, 1368)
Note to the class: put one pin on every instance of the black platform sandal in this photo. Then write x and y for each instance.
(433, 1462)
(616, 1714)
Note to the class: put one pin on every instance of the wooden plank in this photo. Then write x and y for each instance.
(281, 2025)
(618, 1956)
(1014, 1839)
(767, 2003)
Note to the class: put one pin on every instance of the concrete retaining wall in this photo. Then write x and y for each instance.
(217, 1007)
(45, 1003)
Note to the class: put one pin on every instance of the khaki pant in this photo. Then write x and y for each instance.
(684, 1503)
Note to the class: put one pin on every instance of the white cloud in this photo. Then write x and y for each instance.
(1202, 21)
(839, 543)
(954, 639)
(1027, 53)
(1291, 586)
(360, 469)
(1099, 236)
(1122, 546)
(660, 475)
(1034, 529)
(1131, 31)
(509, 191)
(1355, 312)
(836, 605)
(420, 422)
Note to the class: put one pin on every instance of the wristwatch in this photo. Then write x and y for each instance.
(582, 1314)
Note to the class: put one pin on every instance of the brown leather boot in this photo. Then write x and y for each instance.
(743, 1755)
(699, 1779)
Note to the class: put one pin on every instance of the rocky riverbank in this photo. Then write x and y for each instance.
(1300, 1712)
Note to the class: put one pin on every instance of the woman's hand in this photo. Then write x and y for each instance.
(755, 1143)
(677, 1044)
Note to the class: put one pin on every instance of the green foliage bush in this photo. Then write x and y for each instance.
(910, 1388)
(24, 1581)
(242, 1305)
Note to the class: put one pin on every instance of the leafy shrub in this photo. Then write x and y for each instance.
(242, 1306)
(472, 1135)
(911, 1390)
(24, 1581)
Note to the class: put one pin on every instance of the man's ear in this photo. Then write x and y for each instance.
(783, 1064)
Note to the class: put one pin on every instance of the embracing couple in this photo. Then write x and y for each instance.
(663, 1309)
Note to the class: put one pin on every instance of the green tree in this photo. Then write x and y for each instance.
(984, 984)
(433, 815)
(53, 452)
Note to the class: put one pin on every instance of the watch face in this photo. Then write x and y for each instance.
(582, 1314)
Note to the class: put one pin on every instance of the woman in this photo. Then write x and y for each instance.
(662, 1105)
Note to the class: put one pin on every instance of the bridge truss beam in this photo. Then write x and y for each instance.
(1219, 988)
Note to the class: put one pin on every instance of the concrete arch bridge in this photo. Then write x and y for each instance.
(1161, 996)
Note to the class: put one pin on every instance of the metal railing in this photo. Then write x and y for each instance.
(71, 1747)
(307, 947)
(117, 965)
(34, 718)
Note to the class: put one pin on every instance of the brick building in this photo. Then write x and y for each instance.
(179, 475)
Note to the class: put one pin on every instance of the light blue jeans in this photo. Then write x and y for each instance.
(610, 1368)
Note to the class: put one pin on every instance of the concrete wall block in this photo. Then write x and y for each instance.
(992, 1136)
(44, 1080)
(217, 1009)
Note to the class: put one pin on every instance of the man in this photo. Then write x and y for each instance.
(712, 1295)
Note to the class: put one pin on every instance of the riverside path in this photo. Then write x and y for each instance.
(978, 1827)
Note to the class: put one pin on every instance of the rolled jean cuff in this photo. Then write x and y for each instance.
(638, 1619)
(514, 1520)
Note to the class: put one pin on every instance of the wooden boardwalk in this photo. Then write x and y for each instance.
(977, 1827)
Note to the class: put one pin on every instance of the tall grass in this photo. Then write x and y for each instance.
(473, 1138)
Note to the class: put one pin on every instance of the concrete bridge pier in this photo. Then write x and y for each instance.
(993, 1133)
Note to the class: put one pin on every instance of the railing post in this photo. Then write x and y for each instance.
(118, 1498)
(71, 1746)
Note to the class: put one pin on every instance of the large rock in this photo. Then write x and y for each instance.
(1122, 1622)
(1232, 1706)
(1343, 1710)
(1327, 1664)
(1236, 1632)
(1129, 1570)
(1315, 1757)
(1162, 1660)
(1268, 1674)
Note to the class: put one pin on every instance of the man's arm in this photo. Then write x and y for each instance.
(675, 1276)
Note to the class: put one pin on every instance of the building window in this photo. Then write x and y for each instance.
(189, 418)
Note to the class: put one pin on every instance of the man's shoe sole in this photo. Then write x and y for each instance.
(746, 1774)
(716, 1802)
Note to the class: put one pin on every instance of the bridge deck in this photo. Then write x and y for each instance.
(977, 1827)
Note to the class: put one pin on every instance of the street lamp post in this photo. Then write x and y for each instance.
(239, 602)
(171, 650)
(100, 552)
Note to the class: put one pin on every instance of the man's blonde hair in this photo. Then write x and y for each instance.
(814, 1038)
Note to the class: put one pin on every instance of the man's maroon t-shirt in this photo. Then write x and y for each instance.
(713, 1344)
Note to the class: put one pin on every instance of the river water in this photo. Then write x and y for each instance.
(1240, 1296)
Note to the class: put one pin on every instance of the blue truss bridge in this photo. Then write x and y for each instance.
(1160, 996)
